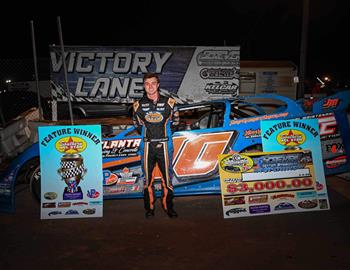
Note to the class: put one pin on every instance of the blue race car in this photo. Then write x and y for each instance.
(207, 129)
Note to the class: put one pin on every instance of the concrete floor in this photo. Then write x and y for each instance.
(200, 238)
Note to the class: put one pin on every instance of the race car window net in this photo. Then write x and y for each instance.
(202, 116)
(242, 109)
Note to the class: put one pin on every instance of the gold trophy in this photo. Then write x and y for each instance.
(72, 172)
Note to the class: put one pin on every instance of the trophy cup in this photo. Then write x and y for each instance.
(72, 172)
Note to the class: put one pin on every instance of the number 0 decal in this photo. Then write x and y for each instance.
(198, 156)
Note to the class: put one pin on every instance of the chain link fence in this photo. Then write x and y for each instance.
(18, 91)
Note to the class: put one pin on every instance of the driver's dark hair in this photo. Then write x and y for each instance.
(150, 75)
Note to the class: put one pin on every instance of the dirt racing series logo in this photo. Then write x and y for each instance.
(236, 163)
(291, 137)
(218, 58)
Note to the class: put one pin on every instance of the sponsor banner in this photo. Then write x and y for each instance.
(280, 135)
(260, 184)
(115, 74)
(71, 171)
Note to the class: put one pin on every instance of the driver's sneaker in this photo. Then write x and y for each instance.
(149, 213)
(171, 213)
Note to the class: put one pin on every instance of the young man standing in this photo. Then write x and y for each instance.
(156, 116)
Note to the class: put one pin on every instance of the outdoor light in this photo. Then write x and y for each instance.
(327, 78)
(8, 81)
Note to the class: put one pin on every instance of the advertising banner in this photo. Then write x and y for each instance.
(71, 171)
(115, 74)
(278, 135)
(261, 183)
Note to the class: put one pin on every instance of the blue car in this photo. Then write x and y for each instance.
(207, 129)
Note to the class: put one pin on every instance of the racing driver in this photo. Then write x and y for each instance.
(156, 117)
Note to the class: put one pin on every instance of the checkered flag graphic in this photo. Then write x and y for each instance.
(68, 164)
(72, 172)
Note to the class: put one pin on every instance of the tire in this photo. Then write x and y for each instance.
(35, 182)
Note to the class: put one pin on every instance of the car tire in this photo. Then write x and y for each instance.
(35, 182)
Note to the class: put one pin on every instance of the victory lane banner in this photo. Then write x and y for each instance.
(278, 135)
(71, 171)
(115, 74)
(265, 183)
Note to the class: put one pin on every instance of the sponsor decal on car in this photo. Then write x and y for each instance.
(336, 147)
(120, 148)
(330, 103)
(336, 162)
(252, 133)
(126, 177)
(109, 178)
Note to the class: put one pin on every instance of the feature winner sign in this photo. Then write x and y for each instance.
(71, 171)
(267, 183)
(115, 74)
(278, 135)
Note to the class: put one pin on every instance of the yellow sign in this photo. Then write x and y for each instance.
(70, 145)
(291, 137)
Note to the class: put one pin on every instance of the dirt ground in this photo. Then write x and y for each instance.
(200, 238)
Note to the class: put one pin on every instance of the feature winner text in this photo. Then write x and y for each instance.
(88, 70)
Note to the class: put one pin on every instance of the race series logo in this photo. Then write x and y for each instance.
(70, 145)
(218, 58)
(236, 163)
(291, 137)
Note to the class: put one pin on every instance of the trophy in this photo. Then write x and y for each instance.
(72, 172)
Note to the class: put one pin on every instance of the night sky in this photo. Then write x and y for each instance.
(265, 30)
